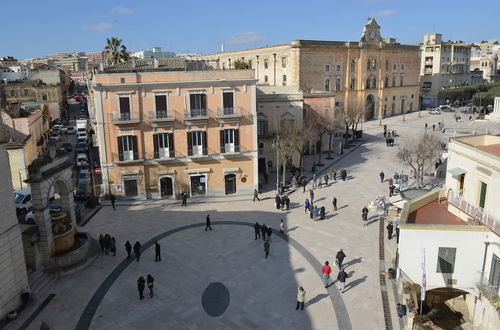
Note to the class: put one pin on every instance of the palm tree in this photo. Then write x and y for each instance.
(116, 50)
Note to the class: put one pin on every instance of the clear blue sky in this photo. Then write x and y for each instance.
(38, 28)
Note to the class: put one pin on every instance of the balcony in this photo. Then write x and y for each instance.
(161, 116)
(229, 113)
(196, 114)
(489, 220)
(120, 160)
(118, 118)
(428, 71)
(234, 151)
(488, 290)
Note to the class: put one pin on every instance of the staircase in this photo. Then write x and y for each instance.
(40, 283)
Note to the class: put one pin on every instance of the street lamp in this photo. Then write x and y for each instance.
(276, 142)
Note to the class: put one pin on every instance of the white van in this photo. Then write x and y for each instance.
(22, 198)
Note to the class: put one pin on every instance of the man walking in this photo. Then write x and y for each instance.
(341, 277)
(311, 196)
(304, 184)
(326, 270)
(141, 284)
(391, 190)
(263, 231)
(306, 206)
(112, 198)
(315, 213)
(326, 180)
(128, 247)
(390, 228)
(364, 215)
(397, 234)
(334, 203)
(207, 223)
(340, 258)
(256, 195)
(267, 246)
(157, 252)
(113, 246)
(282, 226)
(184, 199)
(343, 174)
(150, 282)
(269, 233)
(137, 250)
(256, 228)
(382, 176)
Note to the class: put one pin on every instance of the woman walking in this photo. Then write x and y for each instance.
(306, 206)
(301, 296)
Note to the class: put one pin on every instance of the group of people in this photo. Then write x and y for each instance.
(266, 232)
(315, 213)
(142, 283)
(282, 201)
(389, 136)
(341, 276)
(390, 231)
(107, 244)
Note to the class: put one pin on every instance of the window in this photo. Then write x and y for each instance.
(368, 65)
(494, 277)
(387, 67)
(161, 106)
(352, 85)
(127, 147)
(338, 67)
(427, 85)
(394, 98)
(374, 82)
(198, 103)
(386, 83)
(124, 108)
(327, 84)
(229, 140)
(163, 145)
(228, 103)
(482, 194)
(368, 83)
(284, 80)
(122, 80)
(262, 127)
(374, 65)
(266, 63)
(26, 92)
(337, 85)
(395, 67)
(402, 67)
(393, 81)
(197, 143)
(446, 260)
(353, 65)
(401, 81)
(337, 103)
(44, 97)
(327, 67)
(266, 79)
(12, 93)
(283, 62)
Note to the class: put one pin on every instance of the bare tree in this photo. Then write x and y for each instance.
(320, 126)
(352, 116)
(299, 137)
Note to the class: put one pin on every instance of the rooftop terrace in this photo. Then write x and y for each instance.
(434, 213)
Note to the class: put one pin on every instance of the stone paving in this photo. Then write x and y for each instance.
(262, 292)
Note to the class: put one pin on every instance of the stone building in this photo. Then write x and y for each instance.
(487, 64)
(164, 128)
(443, 65)
(375, 74)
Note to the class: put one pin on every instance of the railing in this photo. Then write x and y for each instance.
(171, 154)
(124, 117)
(229, 112)
(116, 158)
(476, 212)
(196, 114)
(191, 154)
(162, 115)
(490, 291)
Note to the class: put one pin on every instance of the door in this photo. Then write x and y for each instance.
(228, 103)
(124, 108)
(198, 185)
(197, 140)
(482, 194)
(130, 186)
(229, 140)
(166, 187)
(127, 147)
(462, 180)
(163, 147)
(230, 180)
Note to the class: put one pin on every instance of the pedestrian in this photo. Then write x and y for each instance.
(306, 205)
(391, 190)
(326, 270)
(107, 243)
(314, 180)
(113, 246)
(387, 141)
(340, 258)
(326, 180)
(301, 296)
(400, 310)
(141, 284)
(157, 252)
(184, 199)
(112, 198)
(277, 202)
(470, 118)
(263, 230)
(315, 213)
(322, 213)
(320, 182)
(256, 195)
(150, 282)
(433, 127)
(256, 229)
(287, 202)
(101, 243)
(208, 223)
(364, 215)
(282, 226)
(269, 233)
(330, 173)
(128, 247)
(425, 125)
(382, 176)
(304, 184)
(390, 228)
(283, 203)
(267, 247)
(343, 174)
(334, 202)
(397, 234)
(311, 208)
(341, 277)
(311, 196)
(396, 176)
(137, 250)
(334, 175)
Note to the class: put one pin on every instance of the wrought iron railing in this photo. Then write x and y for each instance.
(229, 112)
(124, 117)
(162, 115)
(196, 114)
(490, 291)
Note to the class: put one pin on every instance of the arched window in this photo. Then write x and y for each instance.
(353, 83)
(337, 85)
(327, 85)
(353, 65)
(374, 65)
(368, 82)
(386, 83)
(374, 82)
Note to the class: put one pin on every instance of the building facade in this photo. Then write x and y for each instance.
(375, 74)
(443, 65)
(154, 52)
(487, 64)
(163, 130)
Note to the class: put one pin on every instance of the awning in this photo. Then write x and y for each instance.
(456, 171)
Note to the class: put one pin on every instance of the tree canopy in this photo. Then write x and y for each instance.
(116, 50)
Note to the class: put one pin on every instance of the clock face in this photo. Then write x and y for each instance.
(372, 35)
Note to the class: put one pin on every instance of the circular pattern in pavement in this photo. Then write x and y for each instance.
(215, 299)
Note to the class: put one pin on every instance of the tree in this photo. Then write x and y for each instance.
(332, 129)
(352, 116)
(319, 125)
(116, 50)
(241, 65)
(299, 137)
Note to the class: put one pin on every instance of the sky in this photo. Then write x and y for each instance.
(39, 28)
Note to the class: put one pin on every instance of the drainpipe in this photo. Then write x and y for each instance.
(274, 79)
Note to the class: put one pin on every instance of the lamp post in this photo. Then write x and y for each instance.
(276, 142)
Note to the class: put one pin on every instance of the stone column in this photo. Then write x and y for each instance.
(41, 211)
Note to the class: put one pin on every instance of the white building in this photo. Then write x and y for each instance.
(443, 65)
(487, 64)
(458, 228)
(154, 52)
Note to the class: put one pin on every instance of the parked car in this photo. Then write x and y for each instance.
(446, 108)
(434, 112)
(70, 130)
(54, 137)
(56, 121)
(30, 216)
(82, 160)
(66, 146)
(83, 175)
(82, 192)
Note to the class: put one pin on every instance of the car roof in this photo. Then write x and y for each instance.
(82, 155)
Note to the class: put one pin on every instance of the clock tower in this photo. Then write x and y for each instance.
(371, 31)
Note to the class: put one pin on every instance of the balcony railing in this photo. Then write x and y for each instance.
(196, 114)
(171, 154)
(192, 154)
(158, 116)
(124, 160)
(233, 112)
(490, 291)
(489, 220)
(124, 118)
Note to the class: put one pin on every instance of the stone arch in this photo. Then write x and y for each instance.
(369, 107)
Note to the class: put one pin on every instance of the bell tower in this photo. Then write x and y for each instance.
(371, 32)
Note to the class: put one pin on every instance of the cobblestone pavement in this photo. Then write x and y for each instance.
(262, 292)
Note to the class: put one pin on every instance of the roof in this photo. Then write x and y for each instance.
(493, 148)
(434, 213)
(150, 64)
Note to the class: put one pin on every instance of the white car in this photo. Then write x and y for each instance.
(82, 160)
(434, 112)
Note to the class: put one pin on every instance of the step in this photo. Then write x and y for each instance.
(40, 282)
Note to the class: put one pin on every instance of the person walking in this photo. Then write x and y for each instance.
(382, 176)
(282, 226)
(326, 180)
(256, 229)
(326, 270)
(184, 199)
(277, 201)
(267, 247)
(340, 258)
(113, 246)
(397, 234)
(301, 296)
(137, 250)
(426, 126)
(141, 284)
(311, 196)
(306, 205)
(208, 223)
(157, 252)
(112, 198)
(150, 282)
(334, 202)
(311, 208)
(343, 174)
(341, 278)
(287, 202)
(128, 247)
(334, 175)
(256, 195)
(364, 215)
(107, 243)
(101, 243)
(263, 230)
(396, 177)
(315, 213)
(269, 233)
(320, 182)
(322, 213)
(390, 228)
(391, 190)
(433, 127)
(304, 184)
(315, 179)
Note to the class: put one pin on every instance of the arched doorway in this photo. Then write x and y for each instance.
(369, 107)
(166, 187)
(230, 184)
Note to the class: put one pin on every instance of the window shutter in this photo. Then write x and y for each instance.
(171, 147)
(222, 141)
(237, 139)
(155, 146)
(136, 149)
(120, 148)
(190, 143)
(205, 151)
(203, 101)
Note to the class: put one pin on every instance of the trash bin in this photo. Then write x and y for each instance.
(392, 273)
